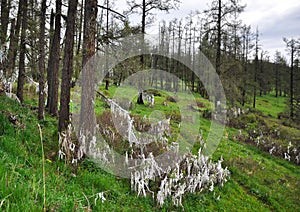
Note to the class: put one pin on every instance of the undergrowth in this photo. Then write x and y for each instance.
(258, 180)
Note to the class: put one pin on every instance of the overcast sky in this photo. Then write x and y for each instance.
(275, 19)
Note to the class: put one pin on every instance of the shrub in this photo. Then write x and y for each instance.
(282, 115)
(140, 124)
(249, 118)
(175, 116)
(153, 92)
(108, 130)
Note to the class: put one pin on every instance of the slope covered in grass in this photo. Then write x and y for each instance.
(258, 181)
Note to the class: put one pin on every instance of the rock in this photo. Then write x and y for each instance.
(13, 119)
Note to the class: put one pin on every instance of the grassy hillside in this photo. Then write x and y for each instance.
(258, 180)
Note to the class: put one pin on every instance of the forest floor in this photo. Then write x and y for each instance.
(258, 181)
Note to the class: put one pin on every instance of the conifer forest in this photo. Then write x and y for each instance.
(149, 105)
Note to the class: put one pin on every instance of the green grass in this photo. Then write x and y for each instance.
(272, 181)
(265, 117)
(258, 181)
(269, 105)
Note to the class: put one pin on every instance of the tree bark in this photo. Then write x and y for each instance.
(87, 114)
(21, 77)
(261, 79)
(42, 60)
(5, 7)
(80, 28)
(140, 97)
(255, 68)
(49, 75)
(219, 27)
(54, 63)
(7, 70)
(255, 80)
(218, 53)
(67, 70)
(245, 62)
(144, 17)
(107, 42)
(276, 80)
(14, 40)
(292, 81)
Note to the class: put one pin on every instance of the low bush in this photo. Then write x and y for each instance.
(153, 92)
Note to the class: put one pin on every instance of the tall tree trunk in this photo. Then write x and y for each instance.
(32, 64)
(280, 90)
(261, 80)
(276, 80)
(107, 42)
(49, 74)
(140, 95)
(80, 28)
(244, 92)
(87, 115)
(89, 30)
(194, 58)
(218, 53)
(14, 41)
(54, 62)
(144, 17)
(219, 27)
(178, 69)
(42, 60)
(292, 81)
(67, 70)
(5, 7)
(255, 68)
(21, 77)
(11, 48)
(162, 49)
(245, 63)
(255, 81)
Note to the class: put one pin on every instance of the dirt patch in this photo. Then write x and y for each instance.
(200, 104)
(172, 99)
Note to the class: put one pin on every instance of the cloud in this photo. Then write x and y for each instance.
(275, 20)
(284, 25)
(287, 25)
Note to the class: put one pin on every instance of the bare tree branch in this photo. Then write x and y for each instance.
(111, 10)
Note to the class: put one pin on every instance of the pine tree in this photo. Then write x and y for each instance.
(21, 76)
(293, 47)
(67, 70)
(42, 60)
(87, 116)
(53, 65)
